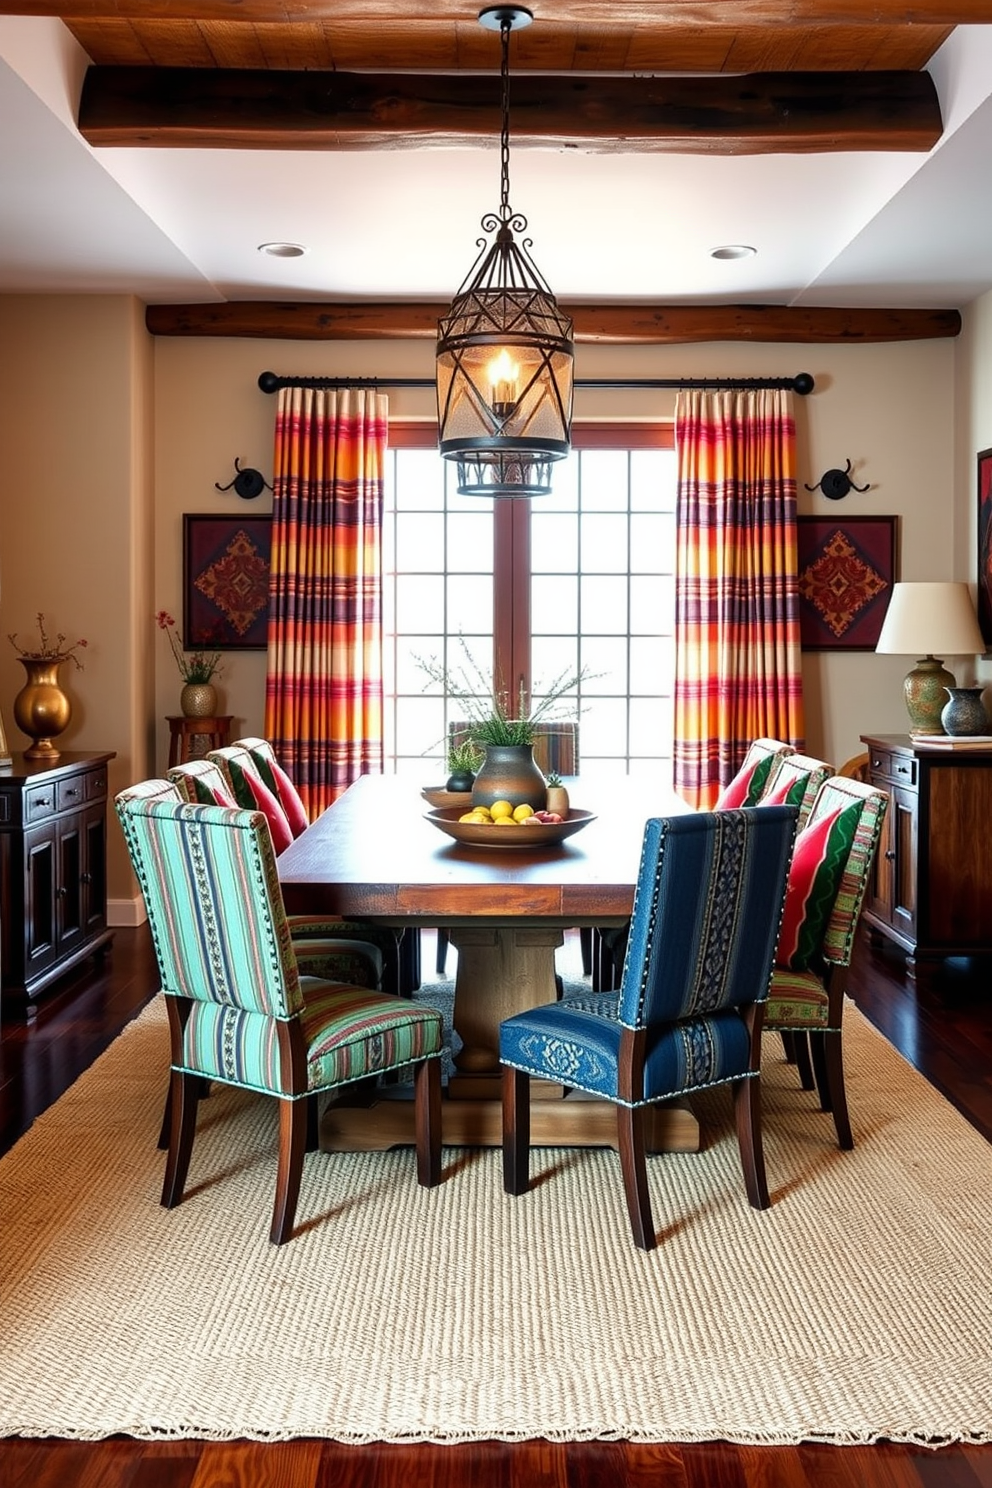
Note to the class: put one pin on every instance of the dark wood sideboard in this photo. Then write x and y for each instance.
(53, 871)
(931, 889)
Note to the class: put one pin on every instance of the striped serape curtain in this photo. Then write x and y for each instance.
(323, 696)
(738, 663)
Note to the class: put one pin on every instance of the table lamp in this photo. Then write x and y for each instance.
(922, 619)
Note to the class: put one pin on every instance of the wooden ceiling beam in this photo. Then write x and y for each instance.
(661, 325)
(203, 108)
(560, 12)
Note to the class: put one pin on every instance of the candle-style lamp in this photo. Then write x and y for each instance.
(923, 619)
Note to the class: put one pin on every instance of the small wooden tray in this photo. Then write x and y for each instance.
(438, 797)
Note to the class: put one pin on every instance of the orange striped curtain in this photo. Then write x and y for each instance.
(323, 697)
(738, 662)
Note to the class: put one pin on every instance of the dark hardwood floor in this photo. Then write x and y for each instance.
(943, 1026)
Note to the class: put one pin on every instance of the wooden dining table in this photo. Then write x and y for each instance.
(375, 855)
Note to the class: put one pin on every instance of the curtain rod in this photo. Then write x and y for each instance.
(802, 383)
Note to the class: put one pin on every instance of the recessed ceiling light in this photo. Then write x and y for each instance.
(733, 250)
(282, 250)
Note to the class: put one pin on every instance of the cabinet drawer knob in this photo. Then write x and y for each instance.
(62, 891)
(86, 878)
(890, 856)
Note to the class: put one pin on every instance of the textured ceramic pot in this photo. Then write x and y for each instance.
(509, 773)
(964, 713)
(557, 800)
(41, 708)
(198, 700)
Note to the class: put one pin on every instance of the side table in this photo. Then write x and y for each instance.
(192, 738)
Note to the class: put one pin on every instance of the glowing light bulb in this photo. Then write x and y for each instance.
(503, 379)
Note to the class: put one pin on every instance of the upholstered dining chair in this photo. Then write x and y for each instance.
(707, 908)
(256, 778)
(795, 782)
(828, 878)
(756, 774)
(239, 1010)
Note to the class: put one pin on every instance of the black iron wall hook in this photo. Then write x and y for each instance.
(247, 483)
(835, 484)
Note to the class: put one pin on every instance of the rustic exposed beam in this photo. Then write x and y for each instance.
(191, 107)
(662, 325)
(559, 12)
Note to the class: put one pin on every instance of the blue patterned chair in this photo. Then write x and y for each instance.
(239, 1010)
(709, 899)
(828, 879)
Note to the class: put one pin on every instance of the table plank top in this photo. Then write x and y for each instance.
(375, 854)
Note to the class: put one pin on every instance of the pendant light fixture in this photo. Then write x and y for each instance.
(504, 349)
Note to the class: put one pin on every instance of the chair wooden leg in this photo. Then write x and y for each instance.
(292, 1142)
(633, 1164)
(313, 1123)
(747, 1111)
(427, 1118)
(801, 1057)
(516, 1131)
(441, 959)
(832, 1058)
(166, 1127)
(586, 934)
(183, 1098)
(820, 1071)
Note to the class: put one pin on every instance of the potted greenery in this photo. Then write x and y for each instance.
(464, 760)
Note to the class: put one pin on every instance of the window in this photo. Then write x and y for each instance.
(579, 580)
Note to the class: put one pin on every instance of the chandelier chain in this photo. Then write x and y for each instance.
(504, 138)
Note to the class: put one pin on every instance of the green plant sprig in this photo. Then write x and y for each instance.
(487, 707)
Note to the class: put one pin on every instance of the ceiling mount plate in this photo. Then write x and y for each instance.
(515, 17)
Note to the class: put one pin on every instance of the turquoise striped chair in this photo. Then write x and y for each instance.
(239, 1010)
(707, 909)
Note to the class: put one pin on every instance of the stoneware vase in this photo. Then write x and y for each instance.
(41, 708)
(509, 773)
(199, 700)
(964, 712)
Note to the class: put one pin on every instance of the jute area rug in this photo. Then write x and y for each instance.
(858, 1307)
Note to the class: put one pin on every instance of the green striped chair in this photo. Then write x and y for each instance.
(341, 950)
(796, 782)
(828, 878)
(239, 1010)
(756, 774)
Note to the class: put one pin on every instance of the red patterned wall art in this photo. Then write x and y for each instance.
(226, 582)
(846, 571)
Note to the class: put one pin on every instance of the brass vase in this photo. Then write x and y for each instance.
(510, 773)
(41, 708)
(199, 700)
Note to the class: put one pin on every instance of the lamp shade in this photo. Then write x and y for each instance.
(930, 620)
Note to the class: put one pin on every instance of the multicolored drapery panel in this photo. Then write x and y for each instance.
(737, 648)
(323, 698)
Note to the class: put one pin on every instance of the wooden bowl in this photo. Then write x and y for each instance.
(438, 796)
(485, 834)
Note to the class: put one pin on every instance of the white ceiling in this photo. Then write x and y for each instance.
(910, 230)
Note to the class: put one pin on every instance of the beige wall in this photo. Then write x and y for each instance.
(75, 444)
(107, 438)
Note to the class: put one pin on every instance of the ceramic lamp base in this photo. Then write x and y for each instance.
(925, 689)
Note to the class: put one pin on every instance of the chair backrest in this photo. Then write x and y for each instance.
(857, 767)
(757, 772)
(203, 783)
(556, 744)
(278, 781)
(251, 792)
(214, 903)
(796, 782)
(707, 910)
(837, 793)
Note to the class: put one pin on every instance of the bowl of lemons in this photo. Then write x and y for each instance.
(505, 826)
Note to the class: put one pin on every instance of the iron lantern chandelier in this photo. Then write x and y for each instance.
(504, 349)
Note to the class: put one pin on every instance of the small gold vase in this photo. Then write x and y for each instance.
(41, 708)
(199, 700)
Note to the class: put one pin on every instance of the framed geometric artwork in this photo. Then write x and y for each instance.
(846, 571)
(985, 547)
(226, 582)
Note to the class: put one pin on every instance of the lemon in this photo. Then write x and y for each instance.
(472, 816)
(504, 821)
(500, 809)
(522, 812)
